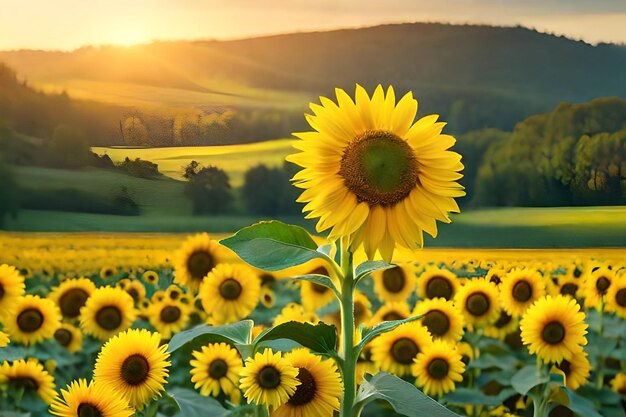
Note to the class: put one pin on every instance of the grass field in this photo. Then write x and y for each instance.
(234, 159)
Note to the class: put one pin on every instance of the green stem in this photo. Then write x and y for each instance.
(600, 380)
(260, 411)
(348, 353)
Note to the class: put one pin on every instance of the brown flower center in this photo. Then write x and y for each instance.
(305, 392)
(439, 287)
(170, 314)
(218, 369)
(63, 337)
(438, 368)
(27, 383)
(393, 279)
(30, 320)
(1, 291)
(503, 320)
(553, 333)
(620, 297)
(393, 315)
(132, 291)
(569, 289)
(135, 369)
(564, 366)
(495, 279)
(109, 317)
(199, 264)
(379, 167)
(269, 377)
(319, 289)
(522, 291)
(88, 410)
(230, 289)
(436, 322)
(404, 351)
(602, 284)
(477, 304)
(71, 302)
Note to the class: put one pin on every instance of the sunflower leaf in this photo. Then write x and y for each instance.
(274, 245)
(384, 327)
(469, 396)
(367, 267)
(528, 378)
(404, 397)
(192, 404)
(580, 405)
(320, 280)
(235, 334)
(320, 338)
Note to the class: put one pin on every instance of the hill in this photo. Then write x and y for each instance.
(476, 76)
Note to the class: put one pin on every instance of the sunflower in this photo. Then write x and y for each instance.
(616, 297)
(319, 390)
(69, 337)
(268, 298)
(441, 318)
(501, 328)
(362, 306)
(468, 352)
(575, 371)
(391, 311)
(196, 258)
(32, 319)
(373, 176)
(150, 277)
(495, 275)
(438, 367)
(597, 285)
(134, 365)
(554, 328)
(394, 351)
(478, 302)
(108, 272)
(315, 296)
(134, 288)
(618, 384)
(11, 287)
(4, 339)
(71, 295)
(174, 292)
(230, 292)
(168, 317)
(569, 286)
(268, 379)
(29, 375)
(396, 283)
(107, 312)
(520, 288)
(94, 399)
(437, 282)
(216, 368)
(295, 312)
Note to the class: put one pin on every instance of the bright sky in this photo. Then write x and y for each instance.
(68, 24)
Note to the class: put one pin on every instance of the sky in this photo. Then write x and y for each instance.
(69, 24)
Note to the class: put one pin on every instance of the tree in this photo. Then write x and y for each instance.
(209, 189)
(69, 147)
(268, 191)
(8, 193)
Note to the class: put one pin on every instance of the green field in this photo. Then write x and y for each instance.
(234, 159)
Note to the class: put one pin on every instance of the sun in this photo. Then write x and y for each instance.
(128, 37)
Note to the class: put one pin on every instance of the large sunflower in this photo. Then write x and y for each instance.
(554, 328)
(268, 379)
(216, 368)
(134, 365)
(395, 284)
(31, 376)
(71, 295)
(616, 297)
(195, 259)
(394, 351)
(575, 371)
(437, 282)
(168, 316)
(90, 399)
(520, 288)
(32, 319)
(69, 337)
(230, 292)
(441, 318)
(478, 301)
(319, 390)
(107, 312)
(373, 175)
(11, 287)
(438, 368)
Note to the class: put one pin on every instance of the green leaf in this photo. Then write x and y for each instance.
(527, 378)
(12, 353)
(367, 267)
(319, 279)
(405, 398)
(192, 404)
(235, 334)
(487, 361)
(274, 245)
(580, 405)
(468, 396)
(320, 338)
(384, 327)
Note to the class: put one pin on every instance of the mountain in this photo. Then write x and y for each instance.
(475, 76)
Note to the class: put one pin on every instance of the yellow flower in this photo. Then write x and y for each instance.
(596, 286)
(394, 351)
(441, 318)
(168, 316)
(618, 384)
(478, 302)
(11, 287)
(134, 365)
(438, 367)
(4, 339)
(554, 328)
(268, 379)
(520, 288)
(319, 390)
(495, 275)
(69, 337)
(108, 272)
(93, 399)
(30, 375)
(567, 285)
(391, 311)
(295, 312)
(71, 295)
(616, 297)
(575, 371)
(437, 282)
(372, 175)
(32, 319)
(150, 277)
(107, 312)
(216, 368)
(197, 257)
(504, 326)
(395, 284)
(134, 288)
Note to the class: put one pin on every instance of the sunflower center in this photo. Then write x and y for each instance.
(320, 270)
(503, 320)
(170, 314)
(199, 264)
(477, 304)
(133, 293)
(495, 279)
(319, 289)
(438, 368)
(230, 289)
(577, 272)
(269, 377)
(602, 284)
(30, 320)
(436, 322)
(108, 273)
(1, 291)
(553, 333)
(218, 369)
(109, 317)
(174, 295)
(522, 291)
(63, 336)
(404, 351)
(393, 279)
(564, 366)
(135, 369)
(88, 410)
(569, 289)
(29, 384)
(379, 167)
(438, 287)
(393, 315)
(360, 312)
(620, 297)
(71, 301)
(305, 392)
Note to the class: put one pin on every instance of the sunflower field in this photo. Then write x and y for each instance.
(272, 321)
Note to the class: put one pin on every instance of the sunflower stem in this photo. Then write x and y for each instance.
(348, 352)
(600, 379)
(260, 411)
